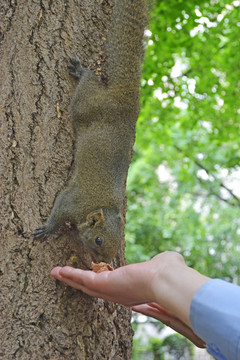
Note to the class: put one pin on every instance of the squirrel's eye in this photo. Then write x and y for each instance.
(98, 241)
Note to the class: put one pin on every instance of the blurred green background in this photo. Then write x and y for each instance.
(184, 182)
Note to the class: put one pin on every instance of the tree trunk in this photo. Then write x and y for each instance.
(41, 318)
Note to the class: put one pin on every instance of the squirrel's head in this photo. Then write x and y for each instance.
(103, 232)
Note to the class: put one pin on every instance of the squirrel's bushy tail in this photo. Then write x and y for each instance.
(125, 41)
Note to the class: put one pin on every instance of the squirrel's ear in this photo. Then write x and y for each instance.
(95, 218)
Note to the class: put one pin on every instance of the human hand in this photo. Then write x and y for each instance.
(164, 280)
(127, 285)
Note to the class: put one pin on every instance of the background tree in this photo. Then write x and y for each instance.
(41, 319)
(182, 188)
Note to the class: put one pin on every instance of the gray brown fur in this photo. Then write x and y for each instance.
(104, 118)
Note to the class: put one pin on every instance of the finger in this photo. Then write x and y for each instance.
(108, 285)
(86, 281)
(55, 273)
(67, 272)
(161, 309)
(85, 278)
(171, 321)
(93, 284)
(147, 309)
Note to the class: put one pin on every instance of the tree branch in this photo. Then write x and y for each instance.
(222, 185)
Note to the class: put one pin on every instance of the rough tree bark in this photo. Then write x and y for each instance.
(40, 318)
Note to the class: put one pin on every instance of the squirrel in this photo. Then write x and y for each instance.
(104, 116)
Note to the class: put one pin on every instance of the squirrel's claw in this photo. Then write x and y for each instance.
(41, 232)
(75, 62)
(75, 68)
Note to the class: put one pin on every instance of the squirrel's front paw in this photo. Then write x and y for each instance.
(42, 232)
(75, 68)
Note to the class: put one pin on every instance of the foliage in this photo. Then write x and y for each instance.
(181, 195)
(172, 347)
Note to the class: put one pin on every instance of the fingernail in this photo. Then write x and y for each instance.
(55, 272)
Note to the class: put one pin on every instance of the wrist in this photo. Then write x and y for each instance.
(175, 284)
